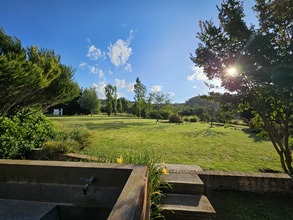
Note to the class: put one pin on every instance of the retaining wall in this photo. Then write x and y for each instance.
(247, 182)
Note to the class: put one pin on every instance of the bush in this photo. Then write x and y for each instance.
(52, 150)
(194, 119)
(175, 118)
(23, 132)
(162, 115)
(186, 119)
(82, 136)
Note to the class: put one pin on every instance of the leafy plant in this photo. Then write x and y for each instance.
(175, 118)
(82, 136)
(194, 119)
(23, 132)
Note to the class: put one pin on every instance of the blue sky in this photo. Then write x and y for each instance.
(116, 41)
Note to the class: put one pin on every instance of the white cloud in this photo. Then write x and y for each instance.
(97, 71)
(93, 70)
(156, 88)
(94, 53)
(110, 72)
(171, 94)
(82, 64)
(128, 67)
(101, 73)
(130, 87)
(120, 84)
(119, 95)
(100, 89)
(120, 52)
(197, 74)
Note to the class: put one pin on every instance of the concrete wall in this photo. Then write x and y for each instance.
(119, 187)
(249, 182)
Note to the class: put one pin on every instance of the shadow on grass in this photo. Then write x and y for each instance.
(268, 170)
(113, 125)
(206, 133)
(244, 205)
(251, 134)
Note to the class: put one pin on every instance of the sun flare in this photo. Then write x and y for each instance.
(232, 71)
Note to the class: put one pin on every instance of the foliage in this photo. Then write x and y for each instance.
(109, 92)
(32, 77)
(194, 119)
(82, 136)
(156, 183)
(115, 100)
(262, 61)
(175, 118)
(162, 115)
(89, 100)
(52, 150)
(160, 101)
(140, 92)
(23, 132)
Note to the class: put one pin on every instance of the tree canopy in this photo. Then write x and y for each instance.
(89, 100)
(32, 77)
(140, 92)
(262, 60)
(109, 92)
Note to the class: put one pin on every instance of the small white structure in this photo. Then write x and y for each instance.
(58, 111)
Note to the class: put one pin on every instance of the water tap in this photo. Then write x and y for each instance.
(88, 182)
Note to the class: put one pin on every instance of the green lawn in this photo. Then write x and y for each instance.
(249, 206)
(218, 148)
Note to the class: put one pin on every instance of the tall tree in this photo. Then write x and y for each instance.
(109, 91)
(140, 92)
(32, 77)
(255, 64)
(115, 100)
(119, 106)
(89, 100)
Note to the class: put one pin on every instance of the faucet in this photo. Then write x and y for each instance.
(88, 182)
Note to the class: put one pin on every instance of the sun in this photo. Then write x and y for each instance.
(232, 71)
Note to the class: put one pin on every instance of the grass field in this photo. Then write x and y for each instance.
(217, 148)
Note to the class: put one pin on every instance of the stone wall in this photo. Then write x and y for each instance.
(247, 182)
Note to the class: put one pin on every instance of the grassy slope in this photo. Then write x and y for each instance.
(218, 148)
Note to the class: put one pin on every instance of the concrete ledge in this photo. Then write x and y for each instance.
(249, 182)
(131, 180)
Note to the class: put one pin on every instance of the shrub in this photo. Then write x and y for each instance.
(82, 136)
(175, 118)
(23, 132)
(163, 114)
(53, 149)
(186, 119)
(194, 119)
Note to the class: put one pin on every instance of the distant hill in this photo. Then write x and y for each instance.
(197, 101)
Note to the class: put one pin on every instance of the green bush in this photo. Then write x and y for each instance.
(82, 136)
(23, 132)
(194, 119)
(175, 118)
(186, 119)
(161, 115)
(53, 149)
